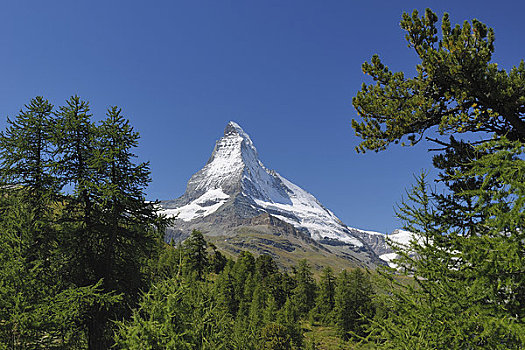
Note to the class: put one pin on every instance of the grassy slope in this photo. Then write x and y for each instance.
(326, 338)
(286, 250)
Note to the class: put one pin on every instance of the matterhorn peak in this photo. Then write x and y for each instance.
(232, 127)
(235, 132)
(235, 179)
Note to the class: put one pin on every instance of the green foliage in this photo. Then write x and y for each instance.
(225, 292)
(257, 307)
(217, 260)
(305, 290)
(195, 255)
(74, 136)
(265, 266)
(23, 293)
(326, 295)
(353, 303)
(242, 311)
(275, 337)
(457, 88)
(465, 260)
(37, 308)
(168, 265)
(182, 312)
(26, 153)
(470, 281)
(83, 265)
(124, 223)
(176, 315)
(76, 232)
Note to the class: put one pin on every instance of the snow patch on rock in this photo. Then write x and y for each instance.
(388, 259)
(305, 211)
(205, 205)
(401, 237)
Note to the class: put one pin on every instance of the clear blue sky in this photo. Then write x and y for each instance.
(284, 70)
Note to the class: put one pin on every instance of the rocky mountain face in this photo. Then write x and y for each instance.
(239, 204)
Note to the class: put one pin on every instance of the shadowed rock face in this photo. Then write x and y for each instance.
(234, 196)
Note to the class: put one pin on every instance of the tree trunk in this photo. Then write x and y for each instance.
(96, 332)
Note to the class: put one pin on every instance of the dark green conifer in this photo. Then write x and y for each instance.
(225, 292)
(353, 303)
(257, 307)
(26, 153)
(457, 87)
(305, 290)
(125, 232)
(465, 262)
(326, 294)
(74, 137)
(217, 260)
(26, 165)
(195, 254)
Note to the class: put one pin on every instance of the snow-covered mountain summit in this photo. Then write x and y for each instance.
(235, 166)
(235, 195)
(234, 170)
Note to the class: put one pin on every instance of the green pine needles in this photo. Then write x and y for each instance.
(76, 232)
(459, 283)
(457, 88)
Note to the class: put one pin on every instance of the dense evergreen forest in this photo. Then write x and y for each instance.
(83, 263)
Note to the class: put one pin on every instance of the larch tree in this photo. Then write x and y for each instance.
(28, 240)
(326, 294)
(26, 161)
(195, 256)
(74, 136)
(465, 260)
(305, 290)
(125, 228)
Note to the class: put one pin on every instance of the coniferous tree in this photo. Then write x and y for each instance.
(169, 263)
(175, 315)
(353, 303)
(125, 224)
(265, 267)
(305, 291)
(287, 286)
(343, 305)
(195, 255)
(217, 260)
(247, 296)
(26, 155)
(23, 294)
(289, 317)
(361, 297)
(457, 88)
(48, 309)
(257, 306)
(225, 292)
(243, 274)
(74, 137)
(270, 312)
(466, 279)
(28, 262)
(275, 337)
(465, 260)
(326, 294)
(243, 268)
(127, 215)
